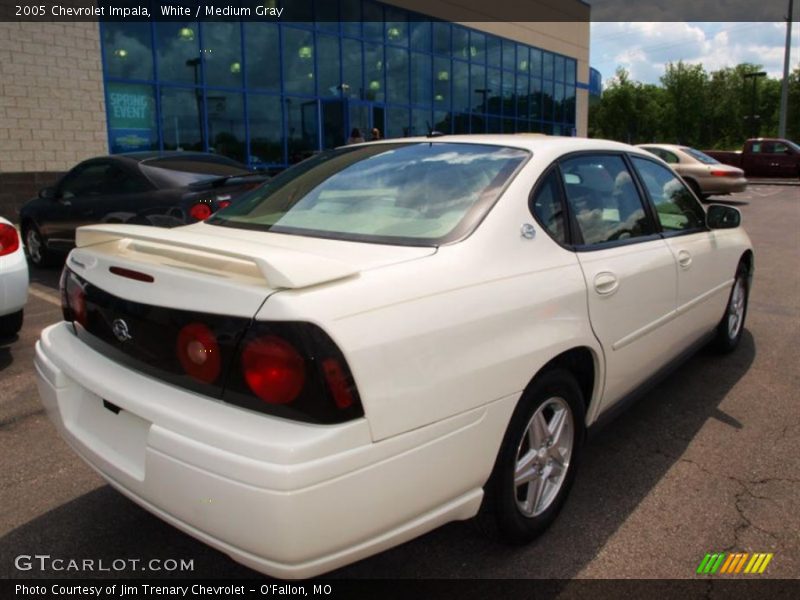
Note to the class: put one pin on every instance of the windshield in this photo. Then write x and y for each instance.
(421, 193)
(703, 158)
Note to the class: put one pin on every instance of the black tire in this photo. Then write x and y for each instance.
(36, 248)
(504, 497)
(10, 324)
(728, 336)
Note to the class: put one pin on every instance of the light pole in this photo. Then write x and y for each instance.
(753, 116)
(785, 84)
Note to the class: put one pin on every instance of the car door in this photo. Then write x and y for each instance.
(703, 284)
(79, 199)
(784, 161)
(630, 272)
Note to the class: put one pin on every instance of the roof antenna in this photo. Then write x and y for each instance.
(432, 132)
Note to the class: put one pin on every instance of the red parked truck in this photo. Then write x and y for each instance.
(763, 157)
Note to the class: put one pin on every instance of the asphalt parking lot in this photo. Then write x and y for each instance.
(709, 461)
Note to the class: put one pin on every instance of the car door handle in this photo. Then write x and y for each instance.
(605, 283)
(684, 259)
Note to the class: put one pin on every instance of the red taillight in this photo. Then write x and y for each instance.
(724, 174)
(200, 211)
(198, 352)
(9, 239)
(273, 369)
(73, 298)
(223, 204)
(338, 384)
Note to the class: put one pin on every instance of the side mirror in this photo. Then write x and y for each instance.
(720, 216)
(48, 193)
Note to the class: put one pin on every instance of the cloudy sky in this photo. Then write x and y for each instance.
(644, 48)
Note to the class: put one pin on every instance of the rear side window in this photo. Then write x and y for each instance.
(88, 180)
(602, 196)
(675, 205)
(546, 205)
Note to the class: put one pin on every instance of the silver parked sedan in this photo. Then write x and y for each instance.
(705, 175)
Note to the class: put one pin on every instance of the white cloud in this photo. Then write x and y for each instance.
(645, 48)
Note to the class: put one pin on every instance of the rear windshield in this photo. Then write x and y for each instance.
(179, 171)
(422, 193)
(703, 158)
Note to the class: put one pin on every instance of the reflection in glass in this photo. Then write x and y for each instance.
(536, 98)
(373, 22)
(522, 95)
(131, 117)
(461, 94)
(509, 108)
(352, 84)
(397, 75)
(226, 133)
(441, 37)
(261, 47)
(298, 61)
(178, 52)
(535, 62)
(181, 121)
(494, 95)
(558, 68)
(396, 122)
(480, 93)
(421, 75)
(569, 104)
(420, 122)
(373, 72)
(301, 128)
(222, 42)
(128, 50)
(509, 55)
(494, 51)
(547, 65)
(477, 42)
(460, 41)
(396, 27)
(266, 129)
(420, 35)
(328, 65)
(351, 17)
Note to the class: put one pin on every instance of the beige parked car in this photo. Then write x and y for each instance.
(705, 175)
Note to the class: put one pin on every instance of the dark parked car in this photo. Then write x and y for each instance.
(763, 157)
(148, 188)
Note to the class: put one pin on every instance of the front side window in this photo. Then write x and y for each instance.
(421, 194)
(675, 205)
(701, 156)
(602, 196)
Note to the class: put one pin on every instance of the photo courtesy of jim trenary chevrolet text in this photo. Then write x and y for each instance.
(399, 298)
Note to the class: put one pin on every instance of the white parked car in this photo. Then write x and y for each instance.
(13, 280)
(385, 338)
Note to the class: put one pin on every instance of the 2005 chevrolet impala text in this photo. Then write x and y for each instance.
(384, 338)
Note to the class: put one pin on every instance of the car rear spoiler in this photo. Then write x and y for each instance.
(279, 267)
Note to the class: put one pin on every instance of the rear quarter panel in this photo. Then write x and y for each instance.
(437, 336)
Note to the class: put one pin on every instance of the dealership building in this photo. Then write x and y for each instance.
(269, 92)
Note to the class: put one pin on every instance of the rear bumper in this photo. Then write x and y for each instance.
(291, 500)
(721, 186)
(13, 283)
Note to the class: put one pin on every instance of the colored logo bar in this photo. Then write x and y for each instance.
(734, 563)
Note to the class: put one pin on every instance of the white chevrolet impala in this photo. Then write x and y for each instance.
(384, 338)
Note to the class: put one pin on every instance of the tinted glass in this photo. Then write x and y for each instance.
(178, 52)
(89, 180)
(675, 205)
(421, 75)
(301, 128)
(261, 46)
(604, 200)
(226, 133)
(546, 205)
(298, 61)
(328, 77)
(222, 43)
(405, 192)
(181, 123)
(397, 80)
(128, 50)
(353, 86)
(266, 129)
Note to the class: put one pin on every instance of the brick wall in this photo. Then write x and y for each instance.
(52, 108)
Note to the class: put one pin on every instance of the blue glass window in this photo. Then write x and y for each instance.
(262, 49)
(128, 50)
(222, 43)
(226, 129)
(178, 52)
(298, 61)
(328, 75)
(181, 118)
(265, 121)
